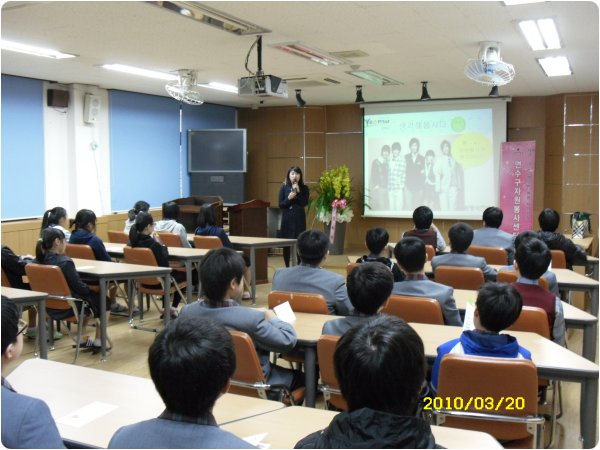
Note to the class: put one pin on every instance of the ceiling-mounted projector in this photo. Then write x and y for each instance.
(262, 86)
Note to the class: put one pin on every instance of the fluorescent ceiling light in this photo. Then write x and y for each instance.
(374, 77)
(541, 34)
(555, 66)
(213, 17)
(220, 87)
(32, 50)
(311, 53)
(142, 72)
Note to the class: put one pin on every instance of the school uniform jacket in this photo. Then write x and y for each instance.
(494, 237)
(464, 260)
(84, 237)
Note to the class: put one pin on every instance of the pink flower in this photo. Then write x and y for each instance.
(339, 203)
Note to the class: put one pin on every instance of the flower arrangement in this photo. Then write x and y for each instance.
(333, 196)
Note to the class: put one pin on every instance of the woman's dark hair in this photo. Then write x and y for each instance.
(141, 205)
(53, 216)
(46, 241)
(142, 220)
(207, 216)
(297, 170)
(170, 211)
(83, 217)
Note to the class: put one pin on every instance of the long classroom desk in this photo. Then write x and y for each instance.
(26, 297)
(104, 271)
(106, 401)
(253, 243)
(552, 361)
(574, 318)
(285, 427)
(188, 256)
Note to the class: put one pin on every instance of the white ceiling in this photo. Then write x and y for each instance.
(407, 41)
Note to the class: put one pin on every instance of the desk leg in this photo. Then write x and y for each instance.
(590, 333)
(588, 412)
(188, 279)
(310, 367)
(167, 297)
(253, 271)
(103, 318)
(294, 253)
(594, 305)
(41, 307)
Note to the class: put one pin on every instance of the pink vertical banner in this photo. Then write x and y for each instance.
(516, 186)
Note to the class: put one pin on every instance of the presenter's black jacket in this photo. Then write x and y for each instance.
(367, 428)
(293, 216)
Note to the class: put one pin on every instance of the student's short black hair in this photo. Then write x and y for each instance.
(461, 236)
(10, 322)
(380, 364)
(170, 211)
(377, 238)
(549, 219)
(493, 216)
(191, 361)
(369, 285)
(533, 258)
(207, 216)
(141, 205)
(499, 306)
(217, 269)
(423, 217)
(411, 254)
(84, 217)
(312, 247)
(525, 236)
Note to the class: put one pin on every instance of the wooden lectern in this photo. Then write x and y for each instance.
(250, 219)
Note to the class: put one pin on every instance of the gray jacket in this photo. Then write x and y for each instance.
(494, 237)
(464, 260)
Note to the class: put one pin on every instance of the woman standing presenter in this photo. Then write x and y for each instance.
(293, 197)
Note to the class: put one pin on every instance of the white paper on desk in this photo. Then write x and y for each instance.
(84, 267)
(87, 414)
(114, 249)
(285, 313)
(256, 439)
(468, 323)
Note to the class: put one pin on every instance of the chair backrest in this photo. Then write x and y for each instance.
(468, 377)
(118, 237)
(51, 280)
(299, 301)
(141, 256)
(509, 276)
(350, 267)
(559, 261)
(325, 350)
(248, 370)
(460, 277)
(414, 309)
(430, 252)
(170, 239)
(208, 242)
(492, 255)
(532, 319)
(5, 281)
(81, 251)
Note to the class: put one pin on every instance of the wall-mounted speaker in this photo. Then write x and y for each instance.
(57, 98)
(91, 108)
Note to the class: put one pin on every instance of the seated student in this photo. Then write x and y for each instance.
(85, 233)
(50, 250)
(56, 218)
(381, 367)
(26, 421)
(308, 276)
(461, 235)
(377, 240)
(497, 307)
(425, 229)
(411, 256)
(549, 220)
(142, 234)
(207, 226)
(182, 361)
(221, 272)
(548, 275)
(369, 286)
(140, 205)
(490, 235)
(531, 261)
(169, 224)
